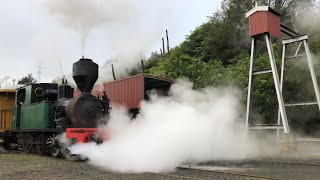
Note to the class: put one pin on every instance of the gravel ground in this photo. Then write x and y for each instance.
(21, 166)
(277, 167)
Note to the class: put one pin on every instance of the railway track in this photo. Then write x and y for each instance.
(260, 169)
(210, 169)
(293, 162)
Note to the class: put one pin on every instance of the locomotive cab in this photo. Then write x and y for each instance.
(33, 107)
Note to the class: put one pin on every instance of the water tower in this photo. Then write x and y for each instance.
(264, 23)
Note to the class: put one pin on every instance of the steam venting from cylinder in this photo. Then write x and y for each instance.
(85, 74)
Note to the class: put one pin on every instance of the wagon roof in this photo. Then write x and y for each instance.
(7, 90)
(11, 88)
(154, 81)
(146, 76)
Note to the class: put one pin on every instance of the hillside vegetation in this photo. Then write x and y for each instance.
(217, 54)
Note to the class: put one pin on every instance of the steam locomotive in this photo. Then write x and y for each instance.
(45, 115)
(47, 118)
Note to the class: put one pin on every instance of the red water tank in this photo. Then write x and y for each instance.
(263, 19)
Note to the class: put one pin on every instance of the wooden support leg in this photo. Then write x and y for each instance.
(277, 85)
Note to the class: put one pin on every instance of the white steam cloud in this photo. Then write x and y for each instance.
(307, 15)
(187, 127)
(83, 16)
(119, 30)
(124, 25)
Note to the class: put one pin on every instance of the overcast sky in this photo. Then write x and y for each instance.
(33, 33)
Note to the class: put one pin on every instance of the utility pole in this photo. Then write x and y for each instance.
(161, 53)
(142, 65)
(168, 46)
(163, 48)
(113, 73)
(61, 69)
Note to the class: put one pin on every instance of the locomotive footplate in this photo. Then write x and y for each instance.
(37, 130)
(84, 135)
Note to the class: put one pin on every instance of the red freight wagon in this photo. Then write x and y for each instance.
(263, 19)
(130, 91)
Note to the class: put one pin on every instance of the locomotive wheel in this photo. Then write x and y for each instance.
(28, 143)
(20, 147)
(41, 144)
(71, 157)
(55, 151)
(21, 142)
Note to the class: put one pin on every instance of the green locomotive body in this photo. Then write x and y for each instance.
(34, 107)
(35, 116)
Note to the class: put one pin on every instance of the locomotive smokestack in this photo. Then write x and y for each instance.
(85, 74)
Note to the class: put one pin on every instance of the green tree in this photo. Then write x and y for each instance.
(27, 80)
(183, 66)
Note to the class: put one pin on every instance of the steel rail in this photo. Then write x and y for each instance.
(198, 168)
